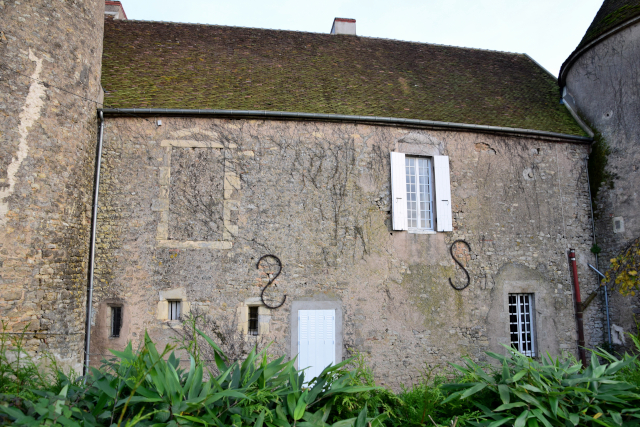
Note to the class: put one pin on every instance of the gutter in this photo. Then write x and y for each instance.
(92, 247)
(577, 118)
(577, 54)
(388, 121)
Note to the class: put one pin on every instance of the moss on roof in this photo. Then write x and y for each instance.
(170, 65)
(611, 14)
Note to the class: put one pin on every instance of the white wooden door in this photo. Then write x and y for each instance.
(316, 341)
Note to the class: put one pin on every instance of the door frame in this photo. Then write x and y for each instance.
(316, 305)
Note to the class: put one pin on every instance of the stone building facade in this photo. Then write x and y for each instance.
(188, 208)
(601, 82)
(227, 149)
(50, 66)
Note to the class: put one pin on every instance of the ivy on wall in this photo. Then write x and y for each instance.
(598, 174)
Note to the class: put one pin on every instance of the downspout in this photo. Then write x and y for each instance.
(578, 302)
(600, 275)
(92, 248)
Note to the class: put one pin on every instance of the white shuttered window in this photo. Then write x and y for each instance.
(316, 341)
(421, 193)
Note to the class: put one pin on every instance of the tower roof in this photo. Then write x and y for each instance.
(612, 14)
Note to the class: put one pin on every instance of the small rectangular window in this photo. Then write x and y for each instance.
(419, 173)
(174, 310)
(116, 321)
(253, 321)
(521, 327)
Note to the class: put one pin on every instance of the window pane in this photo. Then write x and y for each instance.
(419, 193)
(253, 321)
(116, 321)
(521, 328)
(412, 197)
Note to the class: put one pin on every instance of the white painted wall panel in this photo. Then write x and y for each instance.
(316, 341)
(444, 220)
(398, 191)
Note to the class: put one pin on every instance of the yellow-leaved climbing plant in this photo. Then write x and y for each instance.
(623, 272)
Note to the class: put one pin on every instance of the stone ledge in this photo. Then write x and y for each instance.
(176, 244)
(189, 143)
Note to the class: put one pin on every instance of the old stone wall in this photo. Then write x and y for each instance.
(604, 85)
(188, 208)
(50, 59)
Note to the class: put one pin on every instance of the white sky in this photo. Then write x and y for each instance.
(547, 30)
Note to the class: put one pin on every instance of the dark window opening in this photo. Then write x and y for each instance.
(174, 310)
(116, 321)
(253, 321)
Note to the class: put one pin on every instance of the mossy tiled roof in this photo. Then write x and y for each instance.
(611, 14)
(170, 65)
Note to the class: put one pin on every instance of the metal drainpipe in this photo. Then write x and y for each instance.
(579, 318)
(600, 276)
(92, 248)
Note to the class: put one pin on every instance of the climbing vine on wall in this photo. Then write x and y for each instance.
(598, 174)
(623, 272)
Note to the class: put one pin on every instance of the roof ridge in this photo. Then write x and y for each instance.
(325, 34)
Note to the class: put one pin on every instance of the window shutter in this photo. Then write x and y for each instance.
(398, 191)
(444, 220)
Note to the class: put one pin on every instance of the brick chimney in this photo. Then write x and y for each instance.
(114, 9)
(344, 26)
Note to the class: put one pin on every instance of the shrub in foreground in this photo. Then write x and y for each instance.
(549, 392)
(147, 388)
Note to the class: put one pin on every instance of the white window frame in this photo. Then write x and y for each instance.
(441, 194)
(523, 326)
(419, 195)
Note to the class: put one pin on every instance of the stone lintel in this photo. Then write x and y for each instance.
(187, 244)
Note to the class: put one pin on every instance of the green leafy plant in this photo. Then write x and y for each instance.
(151, 388)
(551, 392)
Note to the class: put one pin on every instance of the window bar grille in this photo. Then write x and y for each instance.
(521, 324)
(116, 321)
(253, 321)
(174, 310)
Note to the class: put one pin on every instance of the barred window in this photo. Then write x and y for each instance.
(521, 325)
(253, 321)
(174, 310)
(116, 321)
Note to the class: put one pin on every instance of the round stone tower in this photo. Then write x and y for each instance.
(601, 82)
(50, 63)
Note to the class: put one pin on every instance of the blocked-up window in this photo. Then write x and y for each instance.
(521, 324)
(421, 193)
(174, 309)
(253, 321)
(116, 321)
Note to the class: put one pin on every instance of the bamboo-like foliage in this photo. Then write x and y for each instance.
(550, 392)
(149, 388)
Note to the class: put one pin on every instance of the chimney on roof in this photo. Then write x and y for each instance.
(114, 9)
(344, 26)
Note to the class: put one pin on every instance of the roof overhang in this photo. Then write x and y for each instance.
(372, 120)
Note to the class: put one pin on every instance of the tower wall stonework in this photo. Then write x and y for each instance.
(603, 83)
(50, 57)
